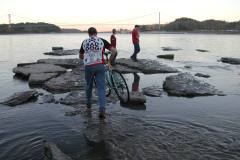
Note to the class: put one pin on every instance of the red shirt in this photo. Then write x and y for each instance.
(135, 36)
(113, 41)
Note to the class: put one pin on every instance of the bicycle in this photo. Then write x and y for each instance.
(114, 80)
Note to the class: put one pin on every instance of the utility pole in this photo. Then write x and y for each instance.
(9, 22)
(159, 22)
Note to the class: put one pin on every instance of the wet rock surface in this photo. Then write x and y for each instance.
(65, 63)
(63, 52)
(230, 60)
(48, 98)
(146, 66)
(20, 98)
(123, 69)
(52, 152)
(170, 49)
(136, 98)
(65, 83)
(40, 78)
(153, 91)
(202, 50)
(202, 75)
(123, 137)
(27, 70)
(186, 85)
(166, 56)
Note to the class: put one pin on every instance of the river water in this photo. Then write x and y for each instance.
(167, 128)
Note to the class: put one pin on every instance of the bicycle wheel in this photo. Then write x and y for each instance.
(120, 86)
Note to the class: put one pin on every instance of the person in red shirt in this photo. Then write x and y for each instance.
(113, 41)
(135, 40)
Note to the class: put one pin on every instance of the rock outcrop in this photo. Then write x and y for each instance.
(65, 83)
(27, 70)
(230, 60)
(186, 85)
(52, 152)
(146, 66)
(153, 91)
(202, 50)
(63, 52)
(20, 98)
(65, 63)
(40, 78)
(202, 75)
(166, 56)
(170, 49)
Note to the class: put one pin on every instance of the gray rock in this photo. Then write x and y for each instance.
(75, 97)
(123, 69)
(63, 52)
(65, 83)
(184, 84)
(52, 152)
(40, 78)
(170, 49)
(188, 67)
(146, 66)
(136, 98)
(202, 50)
(26, 71)
(202, 75)
(230, 60)
(153, 91)
(166, 56)
(20, 98)
(57, 48)
(65, 63)
(49, 98)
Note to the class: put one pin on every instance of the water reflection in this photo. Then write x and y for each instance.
(134, 96)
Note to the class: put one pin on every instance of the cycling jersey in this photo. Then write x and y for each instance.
(93, 49)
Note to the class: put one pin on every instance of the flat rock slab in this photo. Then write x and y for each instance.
(136, 98)
(202, 75)
(20, 98)
(170, 49)
(40, 78)
(146, 66)
(230, 60)
(124, 70)
(52, 152)
(77, 97)
(65, 83)
(166, 56)
(63, 52)
(202, 50)
(65, 63)
(186, 85)
(153, 91)
(26, 71)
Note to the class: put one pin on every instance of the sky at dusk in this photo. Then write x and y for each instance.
(117, 14)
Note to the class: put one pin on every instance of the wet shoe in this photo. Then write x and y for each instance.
(134, 59)
(88, 109)
(102, 115)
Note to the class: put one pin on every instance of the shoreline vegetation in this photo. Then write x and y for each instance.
(179, 26)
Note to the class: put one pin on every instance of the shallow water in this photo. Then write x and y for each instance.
(168, 128)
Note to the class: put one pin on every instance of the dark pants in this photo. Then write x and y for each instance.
(136, 50)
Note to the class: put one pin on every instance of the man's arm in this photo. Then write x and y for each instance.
(114, 52)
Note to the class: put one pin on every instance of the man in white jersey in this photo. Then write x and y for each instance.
(92, 52)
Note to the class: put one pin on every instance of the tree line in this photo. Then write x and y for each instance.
(188, 24)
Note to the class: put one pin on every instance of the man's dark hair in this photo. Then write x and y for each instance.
(92, 31)
(114, 30)
(137, 26)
